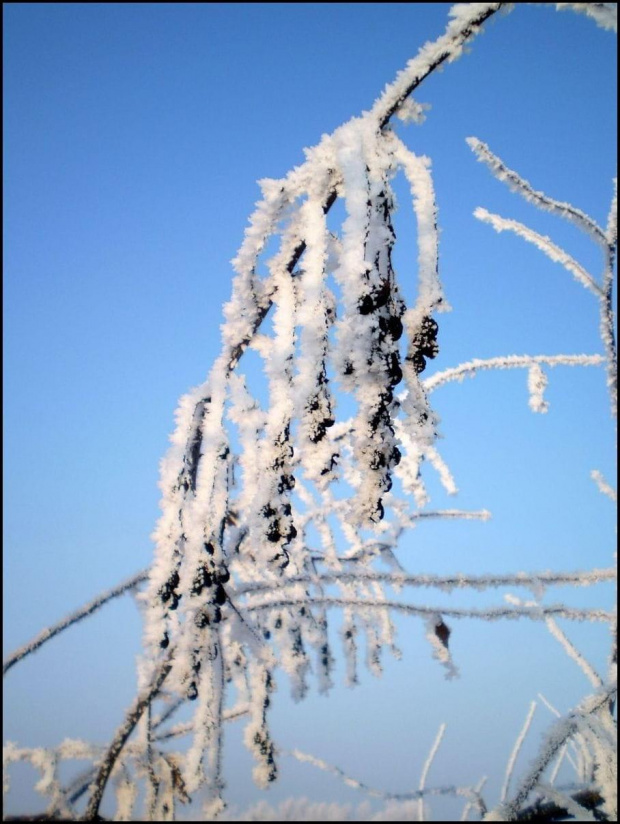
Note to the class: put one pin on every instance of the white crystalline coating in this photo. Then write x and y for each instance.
(516, 750)
(126, 792)
(605, 15)
(572, 652)
(603, 486)
(536, 384)
(413, 112)
(417, 170)
(518, 184)
(545, 244)
(427, 766)
(465, 21)
(445, 476)
(471, 368)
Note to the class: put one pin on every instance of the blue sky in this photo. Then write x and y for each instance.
(134, 136)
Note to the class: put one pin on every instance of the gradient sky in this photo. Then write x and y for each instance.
(134, 136)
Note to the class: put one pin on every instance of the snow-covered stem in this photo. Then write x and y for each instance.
(426, 768)
(604, 14)
(471, 368)
(466, 22)
(518, 184)
(510, 766)
(542, 242)
(531, 580)
(572, 652)
(471, 793)
(535, 613)
(479, 802)
(576, 744)
(604, 487)
(88, 609)
(133, 716)
(560, 732)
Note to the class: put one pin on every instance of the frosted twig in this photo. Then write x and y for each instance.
(181, 729)
(516, 750)
(465, 24)
(479, 802)
(536, 613)
(426, 768)
(467, 792)
(565, 802)
(545, 244)
(526, 190)
(603, 486)
(141, 702)
(561, 731)
(604, 15)
(73, 618)
(472, 367)
(574, 653)
(531, 580)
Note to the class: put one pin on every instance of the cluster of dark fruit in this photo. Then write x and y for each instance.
(325, 662)
(206, 577)
(279, 529)
(375, 299)
(320, 404)
(169, 591)
(266, 749)
(192, 689)
(424, 344)
(286, 481)
(386, 454)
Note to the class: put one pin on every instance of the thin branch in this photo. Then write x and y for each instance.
(134, 714)
(518, 184)
(426, 768)
(467, 792)
(545, 244)
(472, 367)
(535, 613)
(569, 648)
(510, 766)
(531, 580)
(73, 618)
(561, 731)
(603, 486)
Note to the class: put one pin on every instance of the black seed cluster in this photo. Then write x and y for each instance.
(279, 527)
(169, 594)
(424, 344)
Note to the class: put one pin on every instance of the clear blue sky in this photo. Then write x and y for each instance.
(134, 136)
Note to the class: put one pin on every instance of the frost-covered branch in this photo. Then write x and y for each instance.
(426, 768)
(518, 184)
(561, 731)
(572, 652)
(542, 242)
(535, 613)
(134, 714)
(605, 15)
(516, 750)
(415, 795)
(88, 609)
(466, 22)
(531, 580)
(471, 368)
